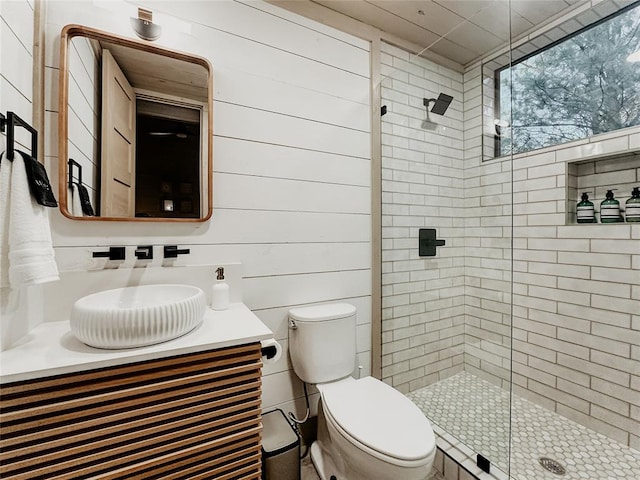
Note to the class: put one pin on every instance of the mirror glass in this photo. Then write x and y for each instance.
(135, 130)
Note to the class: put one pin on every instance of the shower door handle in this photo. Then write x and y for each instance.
(427, 242)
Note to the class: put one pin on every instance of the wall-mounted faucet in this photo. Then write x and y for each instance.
(114, 253)
(172, 251)
(144, 252)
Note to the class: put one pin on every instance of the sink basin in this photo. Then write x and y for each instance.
(137, 316)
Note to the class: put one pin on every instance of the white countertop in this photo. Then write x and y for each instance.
(51, 349)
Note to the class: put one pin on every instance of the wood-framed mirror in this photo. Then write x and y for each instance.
(135, 130)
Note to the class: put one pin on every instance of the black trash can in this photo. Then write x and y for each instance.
(280, 448)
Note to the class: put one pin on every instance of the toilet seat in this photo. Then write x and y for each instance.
(372, 414)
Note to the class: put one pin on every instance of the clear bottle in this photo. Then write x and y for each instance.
(632, 206)
(585, 211)
(610, 209)
(220, 292)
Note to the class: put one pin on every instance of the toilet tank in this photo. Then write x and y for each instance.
(322, 341)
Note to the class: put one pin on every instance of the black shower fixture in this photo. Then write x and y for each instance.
(440, 104)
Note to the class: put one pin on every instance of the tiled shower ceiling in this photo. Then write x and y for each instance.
(460, 30)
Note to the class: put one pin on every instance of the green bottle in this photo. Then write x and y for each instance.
(585, 211)
(632, 206)
(610, 209)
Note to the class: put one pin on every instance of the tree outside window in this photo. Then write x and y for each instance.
(584, 85)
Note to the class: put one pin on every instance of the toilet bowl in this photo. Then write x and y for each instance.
(367, 430)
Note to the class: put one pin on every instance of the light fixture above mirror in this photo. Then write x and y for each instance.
(135, 120)
(144, 27)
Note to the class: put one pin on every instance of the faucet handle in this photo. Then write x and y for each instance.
(144, 252)
(172, 251)
(114, 253)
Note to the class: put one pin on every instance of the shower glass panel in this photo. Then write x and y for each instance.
(519, 339)
(446, 316)
(573, 93)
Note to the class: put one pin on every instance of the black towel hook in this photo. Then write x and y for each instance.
(72, 163)
(10, 122)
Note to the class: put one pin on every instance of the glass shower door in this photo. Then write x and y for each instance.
(447, 248)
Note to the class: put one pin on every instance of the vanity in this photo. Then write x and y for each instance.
(186, 408)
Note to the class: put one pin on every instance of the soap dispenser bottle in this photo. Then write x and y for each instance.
(220, 292)
(632, 206)
(610, 209)
(585, 211)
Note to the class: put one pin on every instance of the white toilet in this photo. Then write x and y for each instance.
(367, 430)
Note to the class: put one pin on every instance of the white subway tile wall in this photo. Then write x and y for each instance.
(422, 187)
(573, 303)
(575, 287)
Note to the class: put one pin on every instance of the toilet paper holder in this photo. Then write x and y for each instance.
(269, 351)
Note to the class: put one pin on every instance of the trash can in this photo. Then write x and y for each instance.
(280, 448)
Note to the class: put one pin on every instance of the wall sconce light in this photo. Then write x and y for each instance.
(144, 26)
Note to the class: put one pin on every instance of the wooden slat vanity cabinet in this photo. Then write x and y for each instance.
(193, 416)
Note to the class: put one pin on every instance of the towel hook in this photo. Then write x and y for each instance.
(72, 163)
(11, 121)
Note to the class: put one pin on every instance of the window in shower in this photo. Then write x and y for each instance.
(583, 84)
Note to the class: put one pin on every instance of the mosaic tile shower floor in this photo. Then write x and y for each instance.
(476, 412)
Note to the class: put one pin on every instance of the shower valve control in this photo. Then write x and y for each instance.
(427, 242)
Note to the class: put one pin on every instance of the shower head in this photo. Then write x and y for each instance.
(440, 104)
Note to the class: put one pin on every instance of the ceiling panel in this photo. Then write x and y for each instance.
(537, 11)
(497, 22)
(472, 28)
(469, 8)
(448, 49)
(382, 19)
(475, 38)
(434, 17)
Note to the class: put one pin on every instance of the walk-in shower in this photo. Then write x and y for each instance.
(520, 339)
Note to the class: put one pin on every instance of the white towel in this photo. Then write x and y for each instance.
(74, 201)
(26, 234)
(5, 188)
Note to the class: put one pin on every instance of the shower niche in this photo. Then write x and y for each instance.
(620, 173)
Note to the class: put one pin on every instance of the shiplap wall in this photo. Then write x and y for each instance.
(84, 108)
(291, 162)
(16, 60)
(16, 95)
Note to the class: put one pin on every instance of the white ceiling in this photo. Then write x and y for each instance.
(460, 30)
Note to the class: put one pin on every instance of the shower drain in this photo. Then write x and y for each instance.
(552, 465)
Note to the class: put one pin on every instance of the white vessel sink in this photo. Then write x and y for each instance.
(137, 316)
